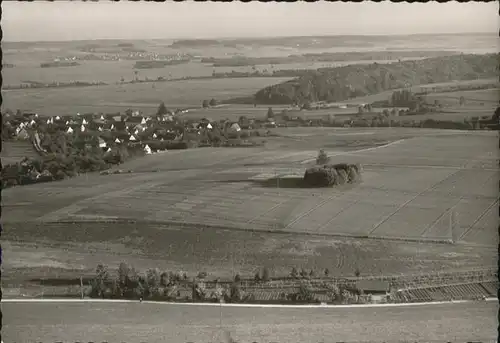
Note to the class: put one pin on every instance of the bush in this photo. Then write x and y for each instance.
(329, 175)
(322, 157)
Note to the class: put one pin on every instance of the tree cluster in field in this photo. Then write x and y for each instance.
(327, 175)
(209, 103)
(154, 284)
(343, 83)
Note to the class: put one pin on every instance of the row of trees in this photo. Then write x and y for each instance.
(156, 285)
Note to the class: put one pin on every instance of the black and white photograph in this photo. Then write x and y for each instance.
(230, 172)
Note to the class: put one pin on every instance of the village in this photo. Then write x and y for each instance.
(95, 141)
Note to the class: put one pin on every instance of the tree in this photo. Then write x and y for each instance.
(213, 102)
(162, 110)
(303, 273)
(257, 277)
(312, 274)
(327, 272)
(270, 113)
(153, 281)
(237, 278)
(205, 104)
(99, 282)
(234, 293)
(462, 100)
(294, 273)
(164, 279)
(357, 272)
(123, 275)
(322, 157)
(306, 106)
(265, 274)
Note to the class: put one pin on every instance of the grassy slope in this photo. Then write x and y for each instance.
(159, 323)
(333, 84)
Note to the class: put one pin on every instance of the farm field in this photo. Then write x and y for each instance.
(115, 98)
(407, 190)
(200, 203)
(459, 322)
(417, 88)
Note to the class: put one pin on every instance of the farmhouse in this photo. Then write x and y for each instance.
(375, 288)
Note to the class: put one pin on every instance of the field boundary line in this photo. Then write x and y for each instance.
(400, 207)
(61, 300)
(469, 229)
(449, 211)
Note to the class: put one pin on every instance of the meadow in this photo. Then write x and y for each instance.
(141, 96)
(208, 209)
(134, 322)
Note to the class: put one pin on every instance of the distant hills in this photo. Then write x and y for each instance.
(343, 83)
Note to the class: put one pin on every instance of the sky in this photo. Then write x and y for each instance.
(77, 20)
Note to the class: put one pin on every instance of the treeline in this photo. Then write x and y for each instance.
(154, 284)
(343, 83)
(57, 64)
(54, 84)
(150, 64)
(241, 61)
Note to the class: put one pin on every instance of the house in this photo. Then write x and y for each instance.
(82, 128)
(84, 122)
(70, 130)
(147, 149)
(102, 143)
(132, 139)
(117, 141)
(373, 287)
(143, 121)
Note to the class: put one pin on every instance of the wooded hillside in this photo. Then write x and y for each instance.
(343, 83)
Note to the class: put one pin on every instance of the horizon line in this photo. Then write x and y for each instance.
(257, 37)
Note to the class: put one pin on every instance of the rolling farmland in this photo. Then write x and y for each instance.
(116, 98)
(201, 203)
(407, 191)
(136, 322)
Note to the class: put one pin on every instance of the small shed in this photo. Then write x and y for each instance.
(375, 287)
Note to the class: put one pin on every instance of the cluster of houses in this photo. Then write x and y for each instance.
(132, 129)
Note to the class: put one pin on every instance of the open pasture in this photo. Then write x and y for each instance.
(142, 96)
(474, 97)
(409, 190)
(153, 323)
(103, 71)
(416, 88)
